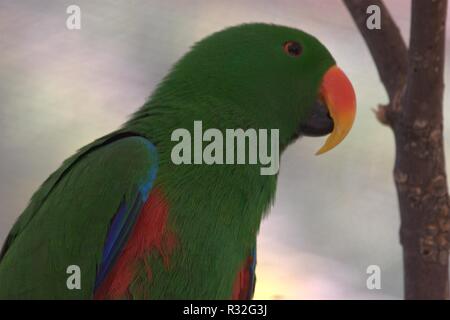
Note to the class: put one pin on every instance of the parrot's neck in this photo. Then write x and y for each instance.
(231, 198)
(215, 211)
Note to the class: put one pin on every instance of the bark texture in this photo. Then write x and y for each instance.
(414, 81)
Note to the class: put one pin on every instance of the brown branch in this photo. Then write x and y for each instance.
(423, 197)
(386, 45)
(414, 82)
(426, 56)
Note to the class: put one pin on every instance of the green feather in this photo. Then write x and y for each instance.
(68, 218)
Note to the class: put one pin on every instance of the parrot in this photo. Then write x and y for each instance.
(129, 223)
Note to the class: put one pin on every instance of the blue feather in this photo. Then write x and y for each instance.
(125, 218)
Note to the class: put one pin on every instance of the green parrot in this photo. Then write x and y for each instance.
(121, 220)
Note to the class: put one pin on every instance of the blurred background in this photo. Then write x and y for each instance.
(334, 215)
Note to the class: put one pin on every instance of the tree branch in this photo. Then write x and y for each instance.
(386, 45)
(414, 82)
(423, 196)
(426, 60)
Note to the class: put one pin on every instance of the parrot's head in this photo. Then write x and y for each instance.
(272, 77)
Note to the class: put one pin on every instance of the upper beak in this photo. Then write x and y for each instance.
(337, 92)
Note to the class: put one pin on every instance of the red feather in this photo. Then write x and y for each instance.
(242, 287)
(149, 233)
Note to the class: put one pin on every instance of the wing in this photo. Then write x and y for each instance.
(244, 284)
(83, 215)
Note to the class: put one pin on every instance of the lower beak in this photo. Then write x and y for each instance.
(338, 95)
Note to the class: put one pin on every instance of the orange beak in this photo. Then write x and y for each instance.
(337, 92)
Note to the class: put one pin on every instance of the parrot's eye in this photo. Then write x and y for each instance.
(292, 48)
